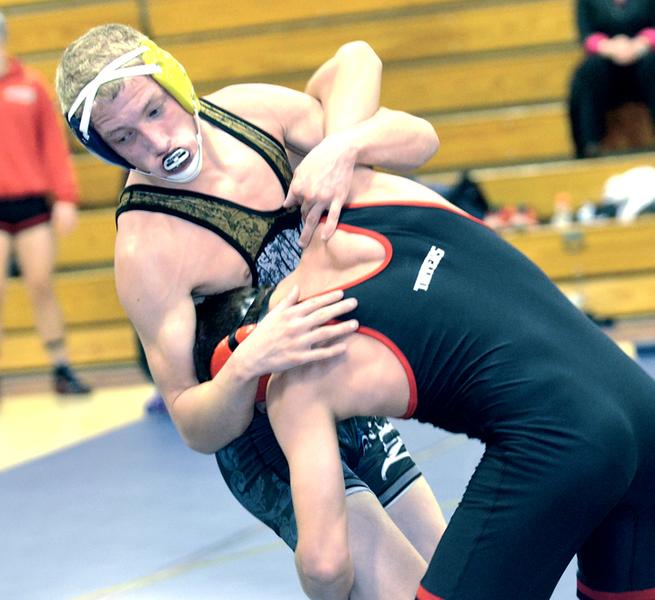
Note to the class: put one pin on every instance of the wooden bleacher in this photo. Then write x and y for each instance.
(536, 184)
(491, 77)
(51, 27)
(614, 297)
(92, 243)
(585, 252)
(608, 267)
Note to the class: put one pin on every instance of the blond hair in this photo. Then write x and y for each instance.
(86, 57)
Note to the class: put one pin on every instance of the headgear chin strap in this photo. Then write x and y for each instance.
(167, 72)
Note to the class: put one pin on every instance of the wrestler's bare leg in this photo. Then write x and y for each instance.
(387, 566)
(418, 515)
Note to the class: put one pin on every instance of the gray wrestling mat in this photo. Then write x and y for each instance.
(134, 514)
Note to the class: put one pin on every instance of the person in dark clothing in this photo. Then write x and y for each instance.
(618, 37)
(459, 329)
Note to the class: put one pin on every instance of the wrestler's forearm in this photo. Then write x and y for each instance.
(211, 415)
(304, 425)
(348, 86)
(391, 139)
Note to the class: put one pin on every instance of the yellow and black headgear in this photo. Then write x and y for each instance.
(159, 64)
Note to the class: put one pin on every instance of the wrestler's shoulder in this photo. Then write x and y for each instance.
(238, 97)
(144, 236)
(249, 100)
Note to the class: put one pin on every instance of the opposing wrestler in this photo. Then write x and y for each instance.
(459, 329)
(202, 213)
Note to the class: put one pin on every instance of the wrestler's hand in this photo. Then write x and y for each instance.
(322, 183)
(64, 217)
(295, 333)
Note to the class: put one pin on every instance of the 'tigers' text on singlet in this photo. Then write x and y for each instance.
(429, 266)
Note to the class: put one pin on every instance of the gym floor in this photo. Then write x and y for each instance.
(99, 500)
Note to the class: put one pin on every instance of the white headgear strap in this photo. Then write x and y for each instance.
(114, 71)
(108, 73)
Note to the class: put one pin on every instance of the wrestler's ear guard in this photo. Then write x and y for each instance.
(95, 144)
(172, 76)
(224, 350)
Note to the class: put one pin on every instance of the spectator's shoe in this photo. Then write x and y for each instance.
(66, 381)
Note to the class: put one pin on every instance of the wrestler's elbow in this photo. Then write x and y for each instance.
(205, 441)
(195, 437)
(429, 141)
(197, 433)
(321, 569)
(360, 53)
(199, 443)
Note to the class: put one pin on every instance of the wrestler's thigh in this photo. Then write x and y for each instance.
(387, 567)
(376, 452)
(522, 518)
(619, 556)
(418, 515)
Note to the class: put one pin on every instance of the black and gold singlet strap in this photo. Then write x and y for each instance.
(245, 229)
(259, 140)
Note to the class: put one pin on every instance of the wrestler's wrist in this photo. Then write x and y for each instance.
(350, 144)
(243, 368)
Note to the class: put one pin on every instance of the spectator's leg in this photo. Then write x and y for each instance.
(644, 73)
(5, 254)
(589, 102)
(35, 251)
(35, 254)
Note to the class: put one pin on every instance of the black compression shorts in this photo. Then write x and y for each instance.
(16, 215)
(373, 456)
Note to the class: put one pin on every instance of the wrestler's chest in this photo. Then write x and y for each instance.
(213, 265)
(177, 249)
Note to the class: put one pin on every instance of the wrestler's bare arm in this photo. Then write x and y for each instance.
(352, 77)
(154, 284)
(204, 423)
(389, 138)
(325, 165)
(303, 405)
(308, 439)
(153, 281)
(348, 88)
(363, 134)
